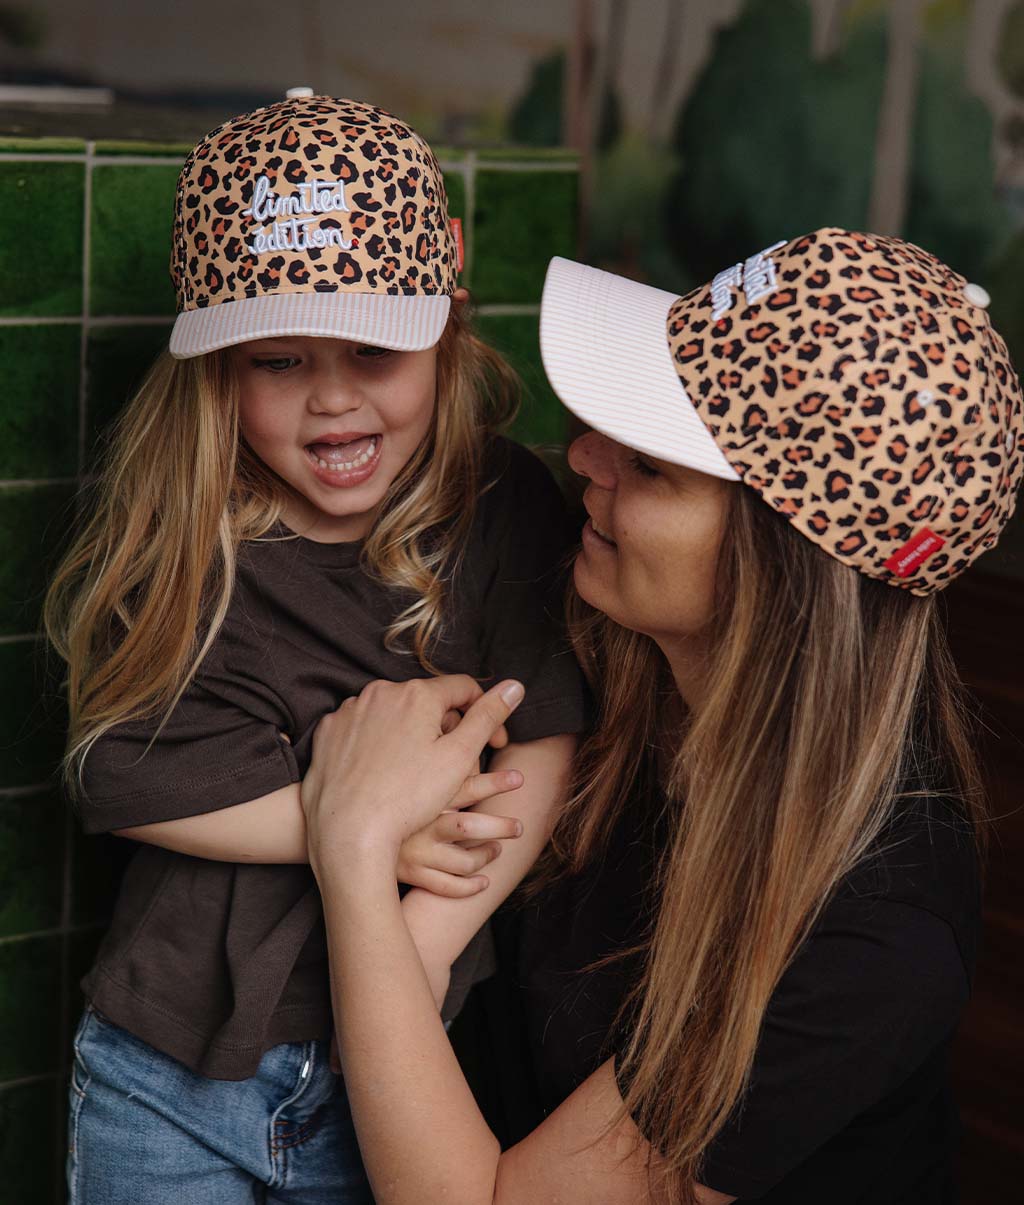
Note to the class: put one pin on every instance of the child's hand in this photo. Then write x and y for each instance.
(446, 856)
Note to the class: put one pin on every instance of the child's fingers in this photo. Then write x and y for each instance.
(439, 882)
(454, 859)
(475, 826)
(478, 787)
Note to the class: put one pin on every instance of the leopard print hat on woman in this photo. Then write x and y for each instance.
(853, 381)
(312, 216)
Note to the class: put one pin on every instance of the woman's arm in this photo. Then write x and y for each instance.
(421, 1134)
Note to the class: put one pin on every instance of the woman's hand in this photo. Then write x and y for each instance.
(384, 766)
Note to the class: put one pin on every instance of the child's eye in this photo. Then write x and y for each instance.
(643, 467)
(275, 363)
(368, 352)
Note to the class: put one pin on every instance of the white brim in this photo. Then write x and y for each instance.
(604, 343)
(403, 323)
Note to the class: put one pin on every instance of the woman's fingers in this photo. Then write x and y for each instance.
(451, 721)
(387, 745)
(483, 713)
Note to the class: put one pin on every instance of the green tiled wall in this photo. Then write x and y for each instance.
(86, 305)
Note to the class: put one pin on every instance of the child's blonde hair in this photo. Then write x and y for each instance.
(139, 598)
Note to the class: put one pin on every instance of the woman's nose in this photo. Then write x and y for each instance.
(594, 456)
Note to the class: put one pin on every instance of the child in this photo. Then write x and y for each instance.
(305, 495)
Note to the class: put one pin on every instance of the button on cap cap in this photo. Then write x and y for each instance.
(978, 296)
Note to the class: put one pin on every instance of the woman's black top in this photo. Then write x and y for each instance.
(849, 1099)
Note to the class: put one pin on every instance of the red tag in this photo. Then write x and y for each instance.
(460, 254)
(914, 553)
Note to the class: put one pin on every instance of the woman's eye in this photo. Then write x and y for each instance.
(276, 363)
(643, 467)
(368, 352)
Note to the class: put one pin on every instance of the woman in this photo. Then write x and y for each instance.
(780, 787)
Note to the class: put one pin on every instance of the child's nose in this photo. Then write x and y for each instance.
(334, 393)
(595, 456)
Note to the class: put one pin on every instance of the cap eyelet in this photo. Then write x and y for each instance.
(978, 296)
(925, 397)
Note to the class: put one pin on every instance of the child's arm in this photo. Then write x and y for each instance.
(273, 829)
(442, 928)
(269, 829)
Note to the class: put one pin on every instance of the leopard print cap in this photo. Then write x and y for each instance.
(311, 196)
(856, 387)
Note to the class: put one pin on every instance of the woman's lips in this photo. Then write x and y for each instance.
(345, 465)
(596, 539)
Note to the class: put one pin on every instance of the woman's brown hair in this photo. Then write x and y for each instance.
(827, 693)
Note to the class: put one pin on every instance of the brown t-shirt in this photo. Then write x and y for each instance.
(215, 962)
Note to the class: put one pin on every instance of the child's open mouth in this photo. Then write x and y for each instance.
(345, 462)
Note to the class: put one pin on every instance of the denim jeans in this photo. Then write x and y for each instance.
(142, 1127)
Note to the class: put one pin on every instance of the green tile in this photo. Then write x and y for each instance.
(117, 358)
(522, 219)
(31, 862)
(41, 265)
(528, 154)
(34, 524)
(32, 714)
(455, 187)
(98, 864)
(39, 401)
(541, 418)
(162, 150)
(32, 1141)
(42, 146)
(30, 978)
(132, 212)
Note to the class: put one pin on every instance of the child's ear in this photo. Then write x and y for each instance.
(460, 296)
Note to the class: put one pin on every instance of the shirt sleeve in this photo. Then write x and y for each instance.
(221, 745)
(527, 540)
(874, 991)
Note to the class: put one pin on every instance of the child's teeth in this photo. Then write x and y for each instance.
(359, 461)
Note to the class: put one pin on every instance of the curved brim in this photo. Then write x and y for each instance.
(604, 343)
(402, 323)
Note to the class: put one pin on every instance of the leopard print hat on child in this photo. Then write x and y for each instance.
(853, 381)
(312, 216)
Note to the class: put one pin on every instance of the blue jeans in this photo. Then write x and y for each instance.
(142, 1127)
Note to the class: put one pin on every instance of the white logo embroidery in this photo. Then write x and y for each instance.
(756, 277)
(293, 234)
